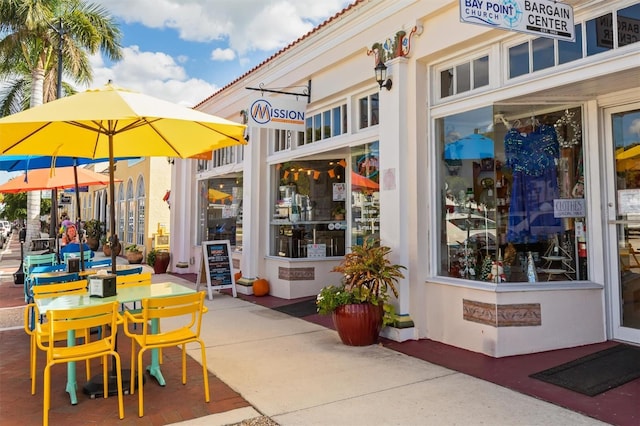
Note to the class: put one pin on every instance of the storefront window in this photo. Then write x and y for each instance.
(365, 193)
(309, 213)
(512, 201)
(220, 202)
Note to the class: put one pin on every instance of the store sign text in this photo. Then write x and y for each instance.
(569, 207)
(280, 114)
(545, 18)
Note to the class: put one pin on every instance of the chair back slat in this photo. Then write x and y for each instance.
(48, 268)
(129, 271)
(133, 280)
(70, 276)
(87, 317)
(173, 306)
(97, 263)
(59, 289)
(88, 255)
(32, 260)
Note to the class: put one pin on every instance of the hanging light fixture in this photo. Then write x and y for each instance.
(381, 76)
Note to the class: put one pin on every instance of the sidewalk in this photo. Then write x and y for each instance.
(297, 372)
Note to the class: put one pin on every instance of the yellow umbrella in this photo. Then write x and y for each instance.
(113, 122)
(215, 195)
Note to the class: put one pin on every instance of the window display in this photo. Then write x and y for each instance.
(365, 193)
(309, 211)
(513, 194)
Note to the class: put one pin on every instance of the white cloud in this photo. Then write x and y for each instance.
(247, 24)
(223, 54)
(156, 74)
(236, 29)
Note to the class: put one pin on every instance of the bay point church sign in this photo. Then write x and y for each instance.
(545, 18)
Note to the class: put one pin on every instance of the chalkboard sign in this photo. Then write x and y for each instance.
(216, 267)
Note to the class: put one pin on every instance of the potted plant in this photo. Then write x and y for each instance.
(359, 306)
(338, 212)
(94, 230)
(134, 254)
(106, 246)
(159, 259)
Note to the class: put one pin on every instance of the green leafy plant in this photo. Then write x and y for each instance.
(94, 228)
(151, 256)
(133, 248)
(367, 276)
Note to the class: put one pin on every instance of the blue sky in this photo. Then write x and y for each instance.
(185, 50)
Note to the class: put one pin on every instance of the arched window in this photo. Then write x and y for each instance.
(130, 206)
(140, 198)
(121, 212)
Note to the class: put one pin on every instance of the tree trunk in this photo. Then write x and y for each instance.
(33, 197)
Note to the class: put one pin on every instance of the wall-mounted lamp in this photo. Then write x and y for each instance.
(381, 76)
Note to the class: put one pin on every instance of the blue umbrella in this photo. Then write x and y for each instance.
(473, 146)
(14, 163)
(17, 163)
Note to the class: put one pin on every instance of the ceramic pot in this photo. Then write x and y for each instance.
(134, 257)
(162, 262)
(358, 324)
(93, 243)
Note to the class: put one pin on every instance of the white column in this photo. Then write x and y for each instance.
(396, 182)
(184, 216)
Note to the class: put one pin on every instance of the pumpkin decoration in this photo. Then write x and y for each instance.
(260, 287)
(237, 276)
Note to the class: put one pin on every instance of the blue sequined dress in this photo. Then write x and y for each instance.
(533, 159)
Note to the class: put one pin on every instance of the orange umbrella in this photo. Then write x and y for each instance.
(58, 178)
(363, 182)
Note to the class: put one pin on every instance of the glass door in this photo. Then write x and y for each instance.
(622, 127)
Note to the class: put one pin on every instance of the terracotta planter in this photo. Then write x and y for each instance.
(93, 243)
(162, 262)
(358, 324)
(135, 257)
(106, 249)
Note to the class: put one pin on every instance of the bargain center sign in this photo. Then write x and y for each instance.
(276, 113)
(545, 18)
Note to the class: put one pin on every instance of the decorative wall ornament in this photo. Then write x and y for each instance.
(568, 130)
(395, 46)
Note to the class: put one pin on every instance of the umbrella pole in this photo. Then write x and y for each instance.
(112, 206)
(95, 387)
(78, 212)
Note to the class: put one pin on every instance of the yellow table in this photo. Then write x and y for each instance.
(125, 295)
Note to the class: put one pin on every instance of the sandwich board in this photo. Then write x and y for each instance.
(216, 267)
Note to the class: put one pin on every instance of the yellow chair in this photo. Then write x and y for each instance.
(188, 306)
(104, 316)
(40, 292)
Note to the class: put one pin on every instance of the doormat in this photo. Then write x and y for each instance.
(299, 309)
(596, 373)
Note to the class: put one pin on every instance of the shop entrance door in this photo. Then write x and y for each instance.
(622, 129)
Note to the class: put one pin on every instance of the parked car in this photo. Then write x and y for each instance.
(3, 234)
(8, 227)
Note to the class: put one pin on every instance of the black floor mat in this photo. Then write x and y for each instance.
(299, 309)
(596, 373)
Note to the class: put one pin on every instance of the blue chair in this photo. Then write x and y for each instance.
(44, 280)
(50, 268)
(31, 261)
(102, 263)
(73, 250)
(130, 271)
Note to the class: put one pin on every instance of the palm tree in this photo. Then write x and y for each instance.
(34, 33)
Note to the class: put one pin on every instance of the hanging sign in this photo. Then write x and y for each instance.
(278, 113)
(545, 18)
(216, 267)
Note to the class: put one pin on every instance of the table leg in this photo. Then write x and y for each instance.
(154, 368)
(72, 384)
